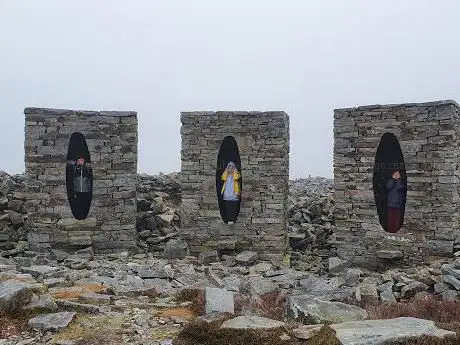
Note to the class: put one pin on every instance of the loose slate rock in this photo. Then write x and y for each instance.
(252, 322)
(14, 294)
(377, 332)
(314, 311)
(52, 321)
(247, 258)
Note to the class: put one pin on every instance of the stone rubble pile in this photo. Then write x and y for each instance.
(147, 293)
(311, 223)
(12, 210)
(158, 202)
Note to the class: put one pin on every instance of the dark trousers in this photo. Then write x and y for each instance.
(394, 219)
(231, 209)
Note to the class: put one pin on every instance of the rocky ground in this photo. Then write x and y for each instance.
(162, 296)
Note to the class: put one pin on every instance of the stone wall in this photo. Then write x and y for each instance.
(263, 141)
(429, 137)
(112, 142)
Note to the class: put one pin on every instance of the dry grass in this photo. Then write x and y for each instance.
(89, 330)
(196, 296)
(270, 305)
(77, 291)
(200, 333)
(14, 324)
(183, 313)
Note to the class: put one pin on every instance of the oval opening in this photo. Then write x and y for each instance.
(390, 193)
(229, 186)
(79, 176)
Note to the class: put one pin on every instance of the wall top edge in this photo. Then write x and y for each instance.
(401, 105)
(69, 112)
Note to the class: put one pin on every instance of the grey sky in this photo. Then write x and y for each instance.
(160, 57)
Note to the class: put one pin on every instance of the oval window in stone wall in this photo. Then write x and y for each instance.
(229, 180)
(390, 189)
(79, 176)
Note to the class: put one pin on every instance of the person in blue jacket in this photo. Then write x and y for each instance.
(395, 201)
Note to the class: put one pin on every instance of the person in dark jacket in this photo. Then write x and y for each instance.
(395, 188)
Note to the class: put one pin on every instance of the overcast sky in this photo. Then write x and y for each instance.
(160, 57)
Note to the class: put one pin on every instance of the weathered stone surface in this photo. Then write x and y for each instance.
(13, 295)
(176, 249)
(336, 265)
(247, 258)
(389, 254)
(309, 309)
(307, 332)
(94, 298)
(219, 300)
(42, 303)
(412, 289)
(210, 256)
(53, 321)
(252, 322)
(377, 332)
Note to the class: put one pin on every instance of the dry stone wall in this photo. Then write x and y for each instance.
(112, 142)
(263, 141)
(429, 137)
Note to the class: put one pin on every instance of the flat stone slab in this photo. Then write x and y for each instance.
(52, 321)
(314, 311)
(219, 300)
(252, 322)
(14, 294)
(377, 332)
(389, 254)
(43, 271)
(94, 298)
(247, 257)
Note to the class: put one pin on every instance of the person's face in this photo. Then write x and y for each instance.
(231, 169)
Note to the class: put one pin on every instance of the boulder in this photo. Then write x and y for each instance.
(252, 322)
(378, 332)
(94, 298)
(336, 265)
(176, 249)
(42, 303)
(53, 321)
(311, 310)
(14, 295)
(219, 300)
(352, 276)
(247, 258)
(208, 257)
(412, 289)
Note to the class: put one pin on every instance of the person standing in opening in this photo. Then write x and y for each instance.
(395, 188)
(231, 191)
(81, 179)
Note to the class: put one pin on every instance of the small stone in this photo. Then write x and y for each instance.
(53, 321)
